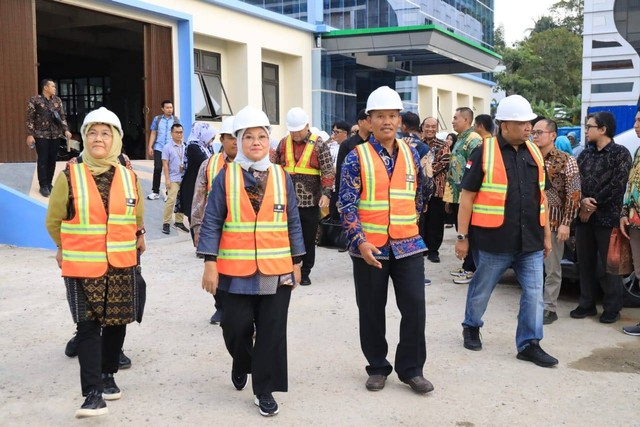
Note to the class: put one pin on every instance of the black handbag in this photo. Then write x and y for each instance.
(141, 291)
(330, 233)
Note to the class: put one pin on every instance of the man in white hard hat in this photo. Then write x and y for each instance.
(503, 211)
(308, 160)
(380, 201)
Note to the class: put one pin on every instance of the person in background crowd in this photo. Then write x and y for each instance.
(257, 266)
(354, 129)
(46, 124)
(362, 135)
(449, 217)
(434, 217)
(308, 160)
(604, 173)
(173, 166)
(562, 143)
(159, 136)
(504, 212)
(207, 173)
(196, 153)
(630, 219)
(564, 201)
(467, 141)
(381, 197)
(339, 133)
(95, 217)
(483, 125)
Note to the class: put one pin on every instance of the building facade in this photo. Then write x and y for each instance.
(212, 57)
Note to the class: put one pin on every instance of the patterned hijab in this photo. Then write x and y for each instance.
(100, 166)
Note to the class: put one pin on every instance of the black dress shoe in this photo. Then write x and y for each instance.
(45, 192)
(581, 313)
(471, 336)
(123, 361)
(375, 382)
(535, 354)
(71, 349)
(420, 384)
(216, 318)
(433, 258)
(305, 281)
(610, 317)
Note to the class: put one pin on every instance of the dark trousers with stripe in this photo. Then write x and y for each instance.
(407, 275)
(309, 220)
(266, 359)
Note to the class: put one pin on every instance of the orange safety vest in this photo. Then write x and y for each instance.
(93, 239)
(489, 203)
(387, 206)
(253, 242)
(303, 166)
(215, 165)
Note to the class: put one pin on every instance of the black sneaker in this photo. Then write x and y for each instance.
(305, 281)
(632, 330)
(581, 313)
(239, 380)
(166, 229)
(534, 353)
(180, 226)
(93, 406)
(549, 317)
(44, 191)
(216, 318)
(123, 361)
(435, 258)
(610, 317)
(110, 390)
(267, 404)
(71, 349)
(471, 336)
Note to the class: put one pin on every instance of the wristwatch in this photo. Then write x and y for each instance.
(462, 236)
(141, 232)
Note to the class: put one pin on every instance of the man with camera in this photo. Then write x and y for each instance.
(46, 124)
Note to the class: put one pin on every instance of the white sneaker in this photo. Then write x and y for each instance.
(153, 196)
(463, 280)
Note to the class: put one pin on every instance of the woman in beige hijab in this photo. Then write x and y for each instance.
(95, 217)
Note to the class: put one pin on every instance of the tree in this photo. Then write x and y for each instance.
(498, 39)
(545, 67)
(569, 14)
(543, 23)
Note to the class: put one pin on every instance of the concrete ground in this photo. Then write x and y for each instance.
(180, 373)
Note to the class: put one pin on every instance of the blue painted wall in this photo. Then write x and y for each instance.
(22, 220)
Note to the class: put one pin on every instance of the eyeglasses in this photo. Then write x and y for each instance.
(93, 134)
(587, 127)
(539, 132)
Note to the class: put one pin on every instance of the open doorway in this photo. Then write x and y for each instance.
(96, 60)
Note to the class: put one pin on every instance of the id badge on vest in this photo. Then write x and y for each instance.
(410, 178)
(278, 208)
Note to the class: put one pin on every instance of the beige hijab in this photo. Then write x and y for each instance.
(100, 166)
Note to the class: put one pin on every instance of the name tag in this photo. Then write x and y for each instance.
(278, 208)
(411, 178)
(131, 202)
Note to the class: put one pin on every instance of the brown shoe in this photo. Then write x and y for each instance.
(376, 382)
(419, 384)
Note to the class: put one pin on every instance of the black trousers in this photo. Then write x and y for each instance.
(219, 299)
(407, 275)
(266, 359)
(467, 263)
(593, 242)
(47, 151)
(309, 219)
(157, 171)
(98, 354)
(433, 227)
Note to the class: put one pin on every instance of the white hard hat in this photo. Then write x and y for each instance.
(250, 117)
(297, 119)
(101, 115)
(384, 98)
(227, 125)
(516, 109)
(314, 130)
(324, 136)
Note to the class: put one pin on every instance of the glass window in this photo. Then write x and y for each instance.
(210, 99)
(271, 92)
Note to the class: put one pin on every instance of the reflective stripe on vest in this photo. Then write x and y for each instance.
(253, 242)
(387, 206)
(303, 166)
(91, 240)
(215, 165)
(490, 201)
